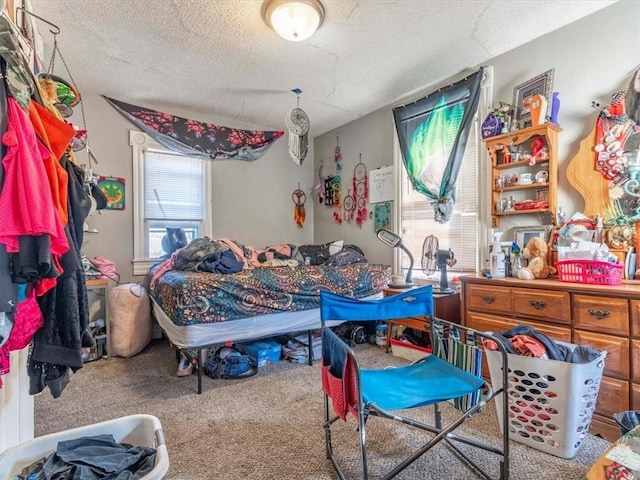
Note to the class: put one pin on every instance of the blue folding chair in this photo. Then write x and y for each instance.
(348, 389)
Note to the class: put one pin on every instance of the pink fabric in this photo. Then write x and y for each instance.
(26, 202)
(27, 321)
(164, 267)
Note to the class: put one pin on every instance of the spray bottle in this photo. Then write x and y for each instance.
(497, 264)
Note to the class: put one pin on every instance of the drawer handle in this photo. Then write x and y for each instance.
(488, 299)
(599, 314)
(538, 304)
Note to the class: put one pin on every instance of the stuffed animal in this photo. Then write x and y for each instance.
(536, 251)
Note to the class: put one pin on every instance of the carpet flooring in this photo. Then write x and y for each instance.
(270, 426)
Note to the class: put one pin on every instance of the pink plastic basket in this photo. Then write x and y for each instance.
(589, 271)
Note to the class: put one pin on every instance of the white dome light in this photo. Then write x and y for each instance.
(294, 20)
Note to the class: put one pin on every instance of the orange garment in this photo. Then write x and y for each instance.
(56, 136)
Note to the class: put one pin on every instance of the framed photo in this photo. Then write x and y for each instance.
(522, 235)
(522, 94)
(542, 194)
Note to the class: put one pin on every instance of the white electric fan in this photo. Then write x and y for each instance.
(433, 258)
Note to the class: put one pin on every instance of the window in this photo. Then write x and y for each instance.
(464, 233)
(172, 191)
(460, 233)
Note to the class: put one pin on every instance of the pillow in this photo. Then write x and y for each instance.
(318, 254)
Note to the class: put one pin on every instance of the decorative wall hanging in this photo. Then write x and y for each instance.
(382, 216)
(361, 191)
(328, 190)
(113, 189)
(299, 214)
(320, 188)
(297, 123)
(349, 205)
(336, 184)
(433, 134)
(197, 139)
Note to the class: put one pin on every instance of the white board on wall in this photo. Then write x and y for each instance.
(381, 185)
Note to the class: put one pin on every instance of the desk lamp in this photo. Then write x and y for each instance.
(393, 240)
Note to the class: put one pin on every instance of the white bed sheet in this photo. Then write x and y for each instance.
(201, 335)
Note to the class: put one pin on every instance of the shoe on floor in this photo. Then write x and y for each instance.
(185, 368)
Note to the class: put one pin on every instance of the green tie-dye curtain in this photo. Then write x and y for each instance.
(433, 135)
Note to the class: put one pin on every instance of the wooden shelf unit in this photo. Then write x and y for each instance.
(522, 139)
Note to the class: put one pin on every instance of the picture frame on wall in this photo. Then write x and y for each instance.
(524, 92)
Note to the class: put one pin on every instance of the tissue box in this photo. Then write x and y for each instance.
(263, 352)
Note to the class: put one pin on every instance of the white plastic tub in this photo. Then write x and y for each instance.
(137, 430)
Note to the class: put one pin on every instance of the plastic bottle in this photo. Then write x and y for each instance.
(497, 267)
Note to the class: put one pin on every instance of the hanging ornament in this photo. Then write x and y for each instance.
(337, 184)
(298, 125)
(348, 204)
(361, 191)
(320, 188)
(299, 214)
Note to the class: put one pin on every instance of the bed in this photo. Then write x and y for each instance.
(198, 310)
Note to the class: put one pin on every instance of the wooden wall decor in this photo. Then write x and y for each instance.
(590, 183)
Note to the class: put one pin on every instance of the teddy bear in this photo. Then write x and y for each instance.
(536, 251)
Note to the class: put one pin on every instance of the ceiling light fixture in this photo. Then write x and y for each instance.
(294, 20)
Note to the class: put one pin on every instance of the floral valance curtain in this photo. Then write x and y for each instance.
(433, 135)
(197, 139)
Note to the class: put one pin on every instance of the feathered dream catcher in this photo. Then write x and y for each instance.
(297, 123)
(299, 214)
(336, 184)
(361, 192)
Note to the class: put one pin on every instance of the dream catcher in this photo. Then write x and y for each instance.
(336, 184)
(321, 187)
(299, 214)
(298, 125)
(349, 207)
(361, 191)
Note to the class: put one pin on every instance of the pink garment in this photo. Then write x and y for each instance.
(26, 202)
(164, 267)
(5, 366)
(27, 321)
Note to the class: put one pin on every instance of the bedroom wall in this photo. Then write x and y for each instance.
(592, 58)
(251, 201)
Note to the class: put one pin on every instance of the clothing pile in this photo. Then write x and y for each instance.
(92, 457)
(527, 341)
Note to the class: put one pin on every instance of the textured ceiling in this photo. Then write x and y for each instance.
(219, 60)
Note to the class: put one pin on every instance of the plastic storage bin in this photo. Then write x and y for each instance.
(550, 402)
(589, 271)
(137, 430)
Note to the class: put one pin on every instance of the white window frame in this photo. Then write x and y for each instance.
(483, 229)
(139, 143)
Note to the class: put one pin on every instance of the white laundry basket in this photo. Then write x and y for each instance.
(550, 402)
(137, 430)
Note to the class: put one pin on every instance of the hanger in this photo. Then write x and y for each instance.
(24, 10)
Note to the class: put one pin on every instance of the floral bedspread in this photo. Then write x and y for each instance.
(190, 298)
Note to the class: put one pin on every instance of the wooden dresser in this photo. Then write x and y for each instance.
(604, 317)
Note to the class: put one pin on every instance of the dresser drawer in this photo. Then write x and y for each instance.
(488, 298)
(635, 396)
(617, 362)
(635, 361)
(601, 314)
(634, 310)
(613, 396)
(543, 304)
(605, 427)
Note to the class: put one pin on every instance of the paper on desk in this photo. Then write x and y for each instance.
(586, 250)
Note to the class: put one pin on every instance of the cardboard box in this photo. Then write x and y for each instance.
(263, 352)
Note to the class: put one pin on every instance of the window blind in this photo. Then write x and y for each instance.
(173, 186)
(460, 234)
